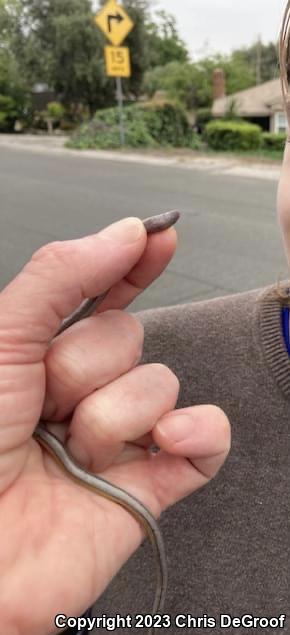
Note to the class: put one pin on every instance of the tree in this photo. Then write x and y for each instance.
(239, 74)
(192, 84)
(188, 84)
(269, 59)
(57, 42)
(60, 44)
(138, 43)
(176, 79)
(165, 45)
(62, 47)
(14, 91)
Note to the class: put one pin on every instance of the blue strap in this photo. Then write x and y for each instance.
(285, 326)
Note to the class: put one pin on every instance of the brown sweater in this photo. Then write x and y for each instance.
(228, 545)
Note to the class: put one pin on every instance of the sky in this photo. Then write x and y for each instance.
(210, 26)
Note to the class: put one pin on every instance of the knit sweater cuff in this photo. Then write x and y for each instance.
(276, 354)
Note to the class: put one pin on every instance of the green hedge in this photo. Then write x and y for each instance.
(203, 116)
(55, 110)
(167, 124)
(232, 135)
(145, 126)
(8, 113)
(273, 141)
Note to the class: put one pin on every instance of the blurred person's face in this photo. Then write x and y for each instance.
(283, 202)
(283, 198)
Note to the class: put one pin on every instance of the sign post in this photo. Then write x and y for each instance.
(120, 105)
(115, 23)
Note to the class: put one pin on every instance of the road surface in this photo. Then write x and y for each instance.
(229, 240)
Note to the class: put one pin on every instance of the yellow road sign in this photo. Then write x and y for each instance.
(114, 22)
(118, 61)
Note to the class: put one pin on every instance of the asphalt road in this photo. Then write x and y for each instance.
(229, 240)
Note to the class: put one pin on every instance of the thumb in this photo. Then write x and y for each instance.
(52, 285)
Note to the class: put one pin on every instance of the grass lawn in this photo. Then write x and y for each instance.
(262, 156)
(254, 156)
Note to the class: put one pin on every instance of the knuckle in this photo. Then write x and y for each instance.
(131, 331)
(65, 365)
(134, 326)
(166, 376)
(56, 250)
(96, 419)
(136, 333)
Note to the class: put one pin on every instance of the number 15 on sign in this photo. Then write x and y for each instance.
(118, 61)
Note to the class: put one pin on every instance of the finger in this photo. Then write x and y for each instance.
(61, 274)
(121, 412)
(32, 308)
(92, 354)
(201, 433)
(158, 253)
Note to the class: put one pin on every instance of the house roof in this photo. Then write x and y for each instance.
(259, 101)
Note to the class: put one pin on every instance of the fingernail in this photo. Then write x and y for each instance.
(125, 231)
(177, 428)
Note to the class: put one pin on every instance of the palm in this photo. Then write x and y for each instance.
(63, 540)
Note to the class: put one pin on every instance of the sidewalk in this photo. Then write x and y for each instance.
(183, 159)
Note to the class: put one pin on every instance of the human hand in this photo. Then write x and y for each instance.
(61, 544)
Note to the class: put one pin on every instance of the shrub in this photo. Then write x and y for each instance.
(52, 115)
(273, 141)
(233, 135)
(145, 126)
(232, 111)
(67, 125)
(8, 113)
(203, 116)
(103, 131)
(55, 110)
(167, 125)
(195, 142)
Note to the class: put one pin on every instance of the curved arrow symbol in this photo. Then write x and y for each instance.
(118, 17)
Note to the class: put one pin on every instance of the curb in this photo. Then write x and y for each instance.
(55, 145)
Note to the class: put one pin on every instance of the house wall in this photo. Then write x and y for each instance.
(40, 100)
(279, 122)
(263, 122)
